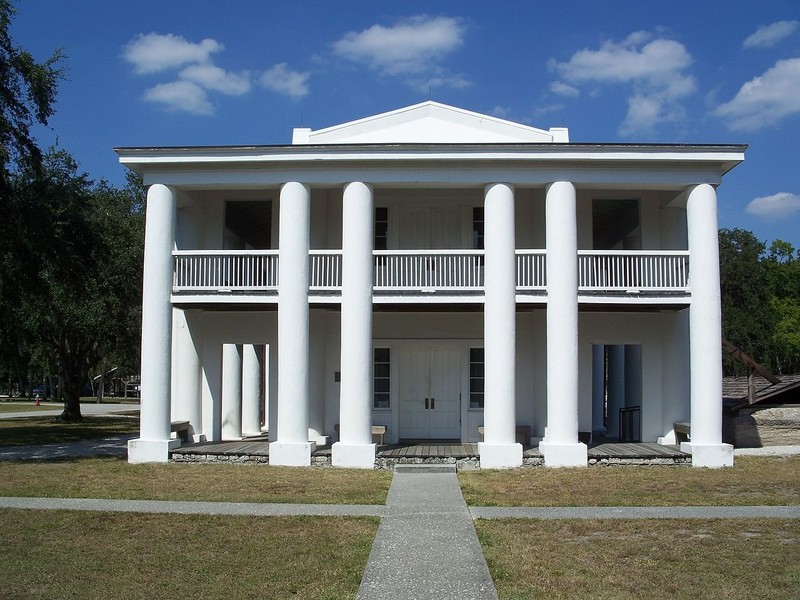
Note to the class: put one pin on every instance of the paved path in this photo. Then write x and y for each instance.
(116, 445)
(426, 547)
(252, 509)
(636, 512)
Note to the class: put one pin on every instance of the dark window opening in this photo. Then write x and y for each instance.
(476, 378)
(381, 378)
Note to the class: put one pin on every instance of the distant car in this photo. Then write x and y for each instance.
(38, 391)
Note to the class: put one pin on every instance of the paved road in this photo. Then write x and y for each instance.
(86, 409)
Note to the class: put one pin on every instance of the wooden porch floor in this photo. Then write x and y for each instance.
(259, 447)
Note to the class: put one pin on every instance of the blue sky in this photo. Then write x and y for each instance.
(209, 72)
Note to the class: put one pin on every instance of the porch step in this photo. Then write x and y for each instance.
(431, 468)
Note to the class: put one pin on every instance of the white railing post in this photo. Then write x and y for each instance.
(639, 270)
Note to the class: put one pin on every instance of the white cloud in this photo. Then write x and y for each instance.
(280, 78)
(153, 52)
(775, 207)
(414, 46)
(213, 78)
(763, 101)
(564, 89)
(655, 68)
(180, 96)
(769, 35)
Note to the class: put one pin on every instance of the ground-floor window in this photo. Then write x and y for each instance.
(476, 378)
(381, 378)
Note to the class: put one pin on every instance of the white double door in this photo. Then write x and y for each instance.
(430, 392)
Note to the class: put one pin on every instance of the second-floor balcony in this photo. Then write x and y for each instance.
(432, 273)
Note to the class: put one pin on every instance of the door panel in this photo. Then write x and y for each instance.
(430, 392)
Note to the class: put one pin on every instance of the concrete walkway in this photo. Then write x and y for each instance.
(251, 509)
(426, 547)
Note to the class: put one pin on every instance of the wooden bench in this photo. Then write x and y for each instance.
(683, 431)
(181, 428)
(378, 433)
(522, 434)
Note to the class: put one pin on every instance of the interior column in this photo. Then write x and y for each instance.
(499, 448)
(355, 447)
(186, 372)
(231, 392)
(251, 389)
(561, 447)
(598, 388)
(292, 447)
(705, 332)
(153, 443)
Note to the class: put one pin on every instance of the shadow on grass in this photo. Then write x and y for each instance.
(31, 431)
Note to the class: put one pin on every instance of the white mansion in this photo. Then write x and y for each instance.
(434, 271)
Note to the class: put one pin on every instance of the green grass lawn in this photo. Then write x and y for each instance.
(88, 555)
(752, 481)
(116, 478)
(47, 430)
(615, 559)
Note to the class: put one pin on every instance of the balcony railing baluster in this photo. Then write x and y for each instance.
(409, 271)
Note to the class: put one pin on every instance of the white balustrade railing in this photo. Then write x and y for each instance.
(204, 270)
(325, 270)
(428, 270)
(531, 272)
(631, 271)
(431, 270)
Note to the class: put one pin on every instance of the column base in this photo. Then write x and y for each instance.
(500, 456)
(713, 456)
(354, 456)
(149, 451)
(564, 455)
(287, 454)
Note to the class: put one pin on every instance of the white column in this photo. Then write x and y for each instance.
(598, 388)
(705, 331)
(561, 447)
(153, 443)
(499, 448)
(252, 371)
(355, 447)
(231, 392)
(616, 387)
(292, 447)
(187, 387)
(271, 401)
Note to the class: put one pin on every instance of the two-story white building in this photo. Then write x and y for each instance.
(432, 270)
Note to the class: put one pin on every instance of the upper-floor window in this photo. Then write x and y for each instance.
(477, 228)
(381, 228)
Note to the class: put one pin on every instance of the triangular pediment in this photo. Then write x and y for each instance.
(430, 123)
